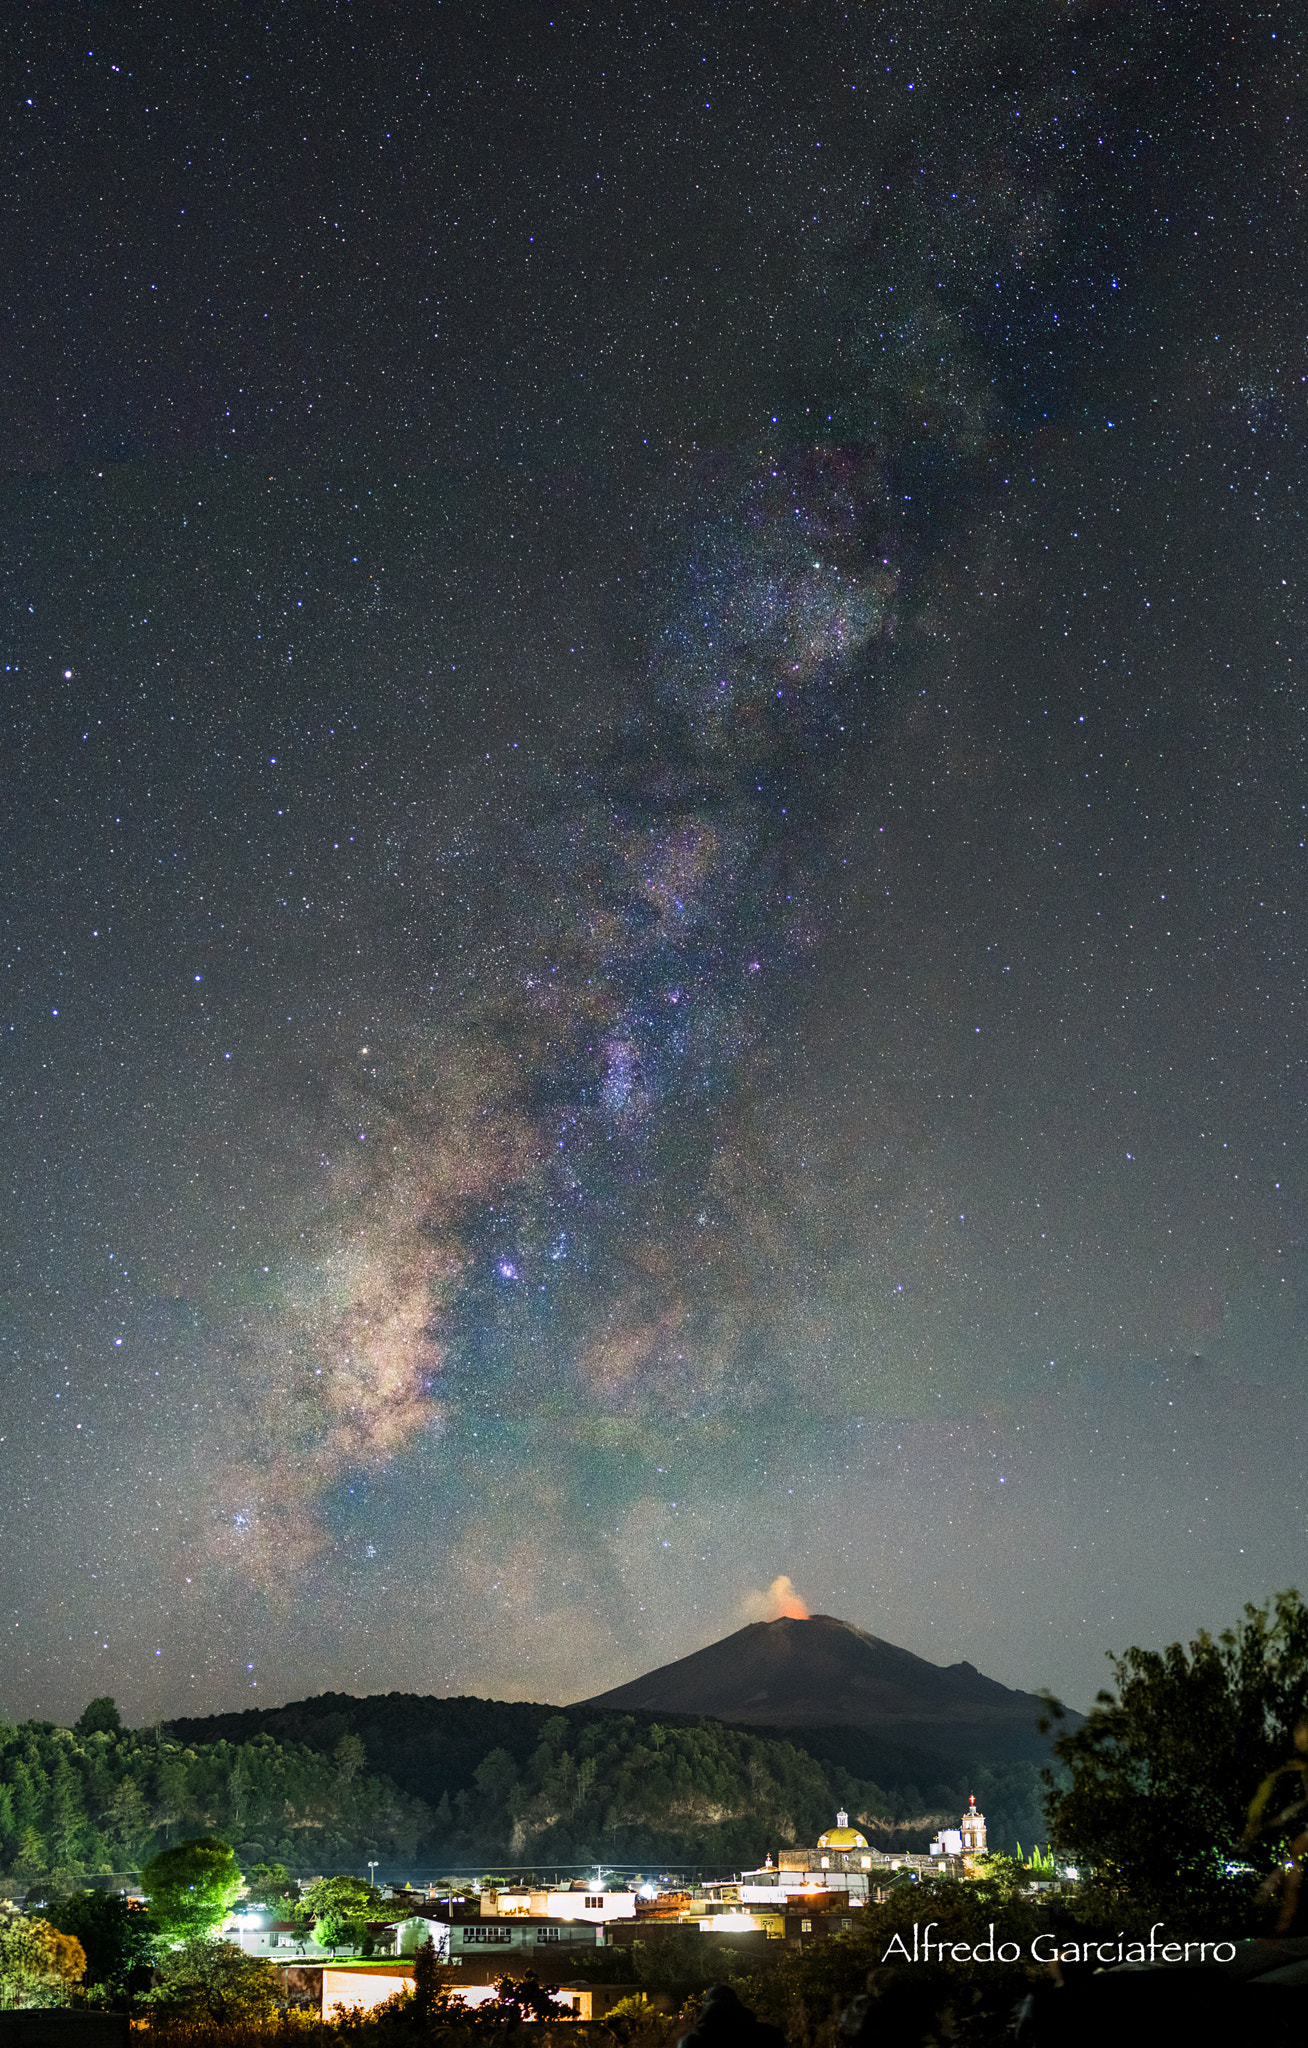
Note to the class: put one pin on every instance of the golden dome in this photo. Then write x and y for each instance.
(842, 1836)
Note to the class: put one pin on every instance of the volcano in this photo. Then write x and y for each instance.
(825, 1673)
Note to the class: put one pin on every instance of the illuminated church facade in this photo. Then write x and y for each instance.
(967, 1839)
(844, 1862)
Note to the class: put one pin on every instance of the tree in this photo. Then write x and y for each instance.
(678, 1957)
(270, 1884)
(430, 1987)
(891, 1998)
(116, 1936)
(68, 1826)
(1165, 1769)
(338, 1907)
(38, 1964)
(127, 1820)
(526, 1998)
(352, 1898)
(1280, 1812)
(191, 1887)
(999, 1879)
(214, 1982)
(332, 1930)
(350, 1757)
(100, 1718)
(31, 1861)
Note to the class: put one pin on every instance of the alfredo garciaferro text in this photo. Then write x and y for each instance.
(928, 1947)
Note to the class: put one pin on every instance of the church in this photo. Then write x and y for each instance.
(844, 1862)
(967, 1839)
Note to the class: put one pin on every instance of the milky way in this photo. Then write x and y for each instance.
(656, 942)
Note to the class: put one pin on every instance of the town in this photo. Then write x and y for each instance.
(484, 1929)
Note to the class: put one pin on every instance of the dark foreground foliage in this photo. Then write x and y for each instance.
(1176, 1782)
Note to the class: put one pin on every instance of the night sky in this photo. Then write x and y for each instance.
(654, 814)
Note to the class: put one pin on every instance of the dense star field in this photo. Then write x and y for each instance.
(654, 839)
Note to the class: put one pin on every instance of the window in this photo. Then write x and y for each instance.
(487, 1937)
(595, 1905)
(806, 1926)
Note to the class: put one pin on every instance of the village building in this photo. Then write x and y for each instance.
(841, 1862)
(842, 1870)
(519, 1937)
(596, 1904)
(806, 1895)
(361, 1987)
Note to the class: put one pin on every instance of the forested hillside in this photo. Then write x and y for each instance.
(620, 1791)
(455, 1784)
(514, 1779)
(75, 1802)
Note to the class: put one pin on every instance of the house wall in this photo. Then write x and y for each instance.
(361, 1989)
(489, 1938)
(597, 1906)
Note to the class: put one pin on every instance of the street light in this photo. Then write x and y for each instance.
(371, 1867)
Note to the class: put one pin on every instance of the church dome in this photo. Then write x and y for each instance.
(842, 1836)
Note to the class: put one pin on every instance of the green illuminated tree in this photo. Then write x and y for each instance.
(270, 1885)
(191, 1887)
(68, 1828)
(32, 1861)
(339, 1907)
(127, 1821)
(350, 1757)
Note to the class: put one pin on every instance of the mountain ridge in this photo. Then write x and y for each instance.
(821, 1672)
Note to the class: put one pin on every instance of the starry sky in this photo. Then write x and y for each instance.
(654, 817)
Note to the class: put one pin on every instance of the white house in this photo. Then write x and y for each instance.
(598, 1906)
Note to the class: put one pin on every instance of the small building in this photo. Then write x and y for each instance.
(663, 1906)
(735, 1920)
(364, 1986)
(413, 1933)
(519, 1937)
(596, 1905)
(255, 1930)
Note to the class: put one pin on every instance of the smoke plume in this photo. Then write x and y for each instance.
(780, 1601)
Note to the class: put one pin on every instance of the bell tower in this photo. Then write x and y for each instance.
(973, 1829)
